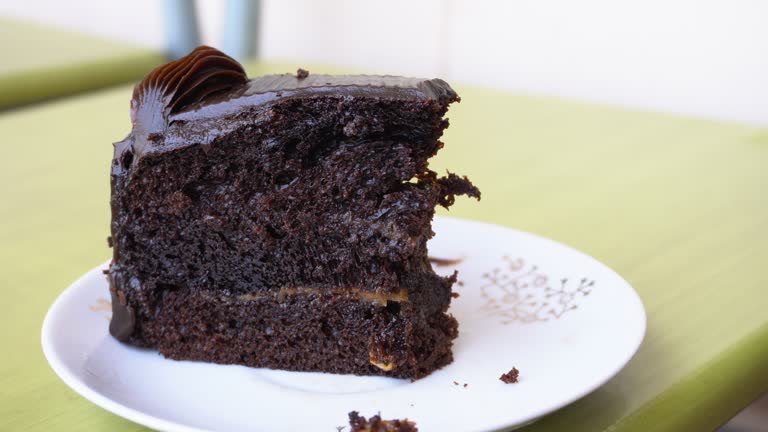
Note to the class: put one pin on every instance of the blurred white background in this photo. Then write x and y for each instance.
(705, 58)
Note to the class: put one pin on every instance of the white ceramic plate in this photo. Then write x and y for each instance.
(566, 321)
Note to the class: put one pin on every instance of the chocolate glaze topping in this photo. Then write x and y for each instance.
(269, 88)
(123, 320)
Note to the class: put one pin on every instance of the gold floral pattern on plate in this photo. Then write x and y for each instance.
(523, 293)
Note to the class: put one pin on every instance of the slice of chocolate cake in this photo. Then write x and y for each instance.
(282, 221)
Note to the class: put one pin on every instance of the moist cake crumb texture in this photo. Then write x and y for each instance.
(282, 221)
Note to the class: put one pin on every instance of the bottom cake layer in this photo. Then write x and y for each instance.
(309, 332)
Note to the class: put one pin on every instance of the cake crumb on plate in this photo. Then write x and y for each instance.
(511, 376)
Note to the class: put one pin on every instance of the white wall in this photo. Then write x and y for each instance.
(702, 57)
(706, 58)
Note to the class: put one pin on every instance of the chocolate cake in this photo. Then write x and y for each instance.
(282, 221)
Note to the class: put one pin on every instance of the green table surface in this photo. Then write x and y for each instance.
(675, 205)
(40, 63)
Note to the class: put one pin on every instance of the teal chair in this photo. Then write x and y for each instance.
(240, 28)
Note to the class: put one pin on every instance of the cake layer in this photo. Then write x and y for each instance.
(157, 129)
(308, 331)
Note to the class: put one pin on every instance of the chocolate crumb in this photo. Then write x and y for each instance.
(455, 383)
(465, 385)
(359, 423)
(302, 73)
(511, 376)
(455, 295)
(460, 283)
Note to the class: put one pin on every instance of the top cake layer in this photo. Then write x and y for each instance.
(179, 103)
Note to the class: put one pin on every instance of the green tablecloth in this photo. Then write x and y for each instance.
(40, 63)
(676, 205)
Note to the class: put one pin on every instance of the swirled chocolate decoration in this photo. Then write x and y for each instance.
(175, 85)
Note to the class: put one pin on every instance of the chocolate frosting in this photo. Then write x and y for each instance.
(270, 88)
(180, 83)
(123, 321)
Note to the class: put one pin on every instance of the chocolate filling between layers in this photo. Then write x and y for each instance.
(353, 293)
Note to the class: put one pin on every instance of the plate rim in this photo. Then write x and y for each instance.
(80, 387)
